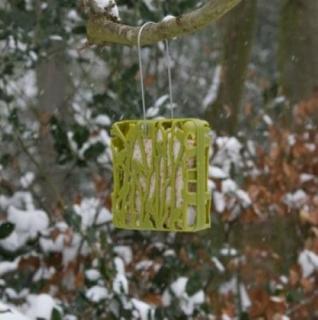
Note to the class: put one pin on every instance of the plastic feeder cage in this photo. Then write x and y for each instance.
(160, 170)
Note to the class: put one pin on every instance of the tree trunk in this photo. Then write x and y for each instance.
(298, 49)
(237, 29)
(52, 82)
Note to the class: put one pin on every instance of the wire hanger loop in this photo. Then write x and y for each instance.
(168, 63)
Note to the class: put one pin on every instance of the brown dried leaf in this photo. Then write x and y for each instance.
(309, 217)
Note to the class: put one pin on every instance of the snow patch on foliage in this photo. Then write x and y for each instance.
(27, 179)
(107, 6)
(227, 196)
(244, 197)
(228, 251)
(179, 286)
(154, 110)
(28, 223)
(219, 201)
(149, 4)
(233, 287)
(297, 199)
(212, 94)
(43, 273)
(8, 266)
(39, 306)
(228, 153)
(168, 17)
(10, 313)
(217, 173)
(73, 16)
(120, 282)
(308, 260)
(146, 312)
(305, 177)
(219, 265)
(91, 212)
(26, 84)
(144, 265)
(97, 294)
(124, 252)
(13, 294)
(178, 290)
(67, 244)
(20, 199)
(102, 120)
(229, 186)
(92, 274)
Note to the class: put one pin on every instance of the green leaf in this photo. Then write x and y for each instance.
(81, 134)
(14, 118)
(56, 315)
(72, 219)
(61, 142)
(294, 296)
(6, 229)
(7, 98)
(5, 159)
(91, 235)
(244, 316)
(194, 284)
(8, 69)
(94, 151)
(81, 29)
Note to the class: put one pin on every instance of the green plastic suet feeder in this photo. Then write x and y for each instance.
(160, 170)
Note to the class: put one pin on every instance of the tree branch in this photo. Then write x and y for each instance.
(102, 30)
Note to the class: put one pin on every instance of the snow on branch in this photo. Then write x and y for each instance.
(101, 29)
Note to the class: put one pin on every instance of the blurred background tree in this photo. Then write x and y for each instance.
(298, 45)
(237, 40)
